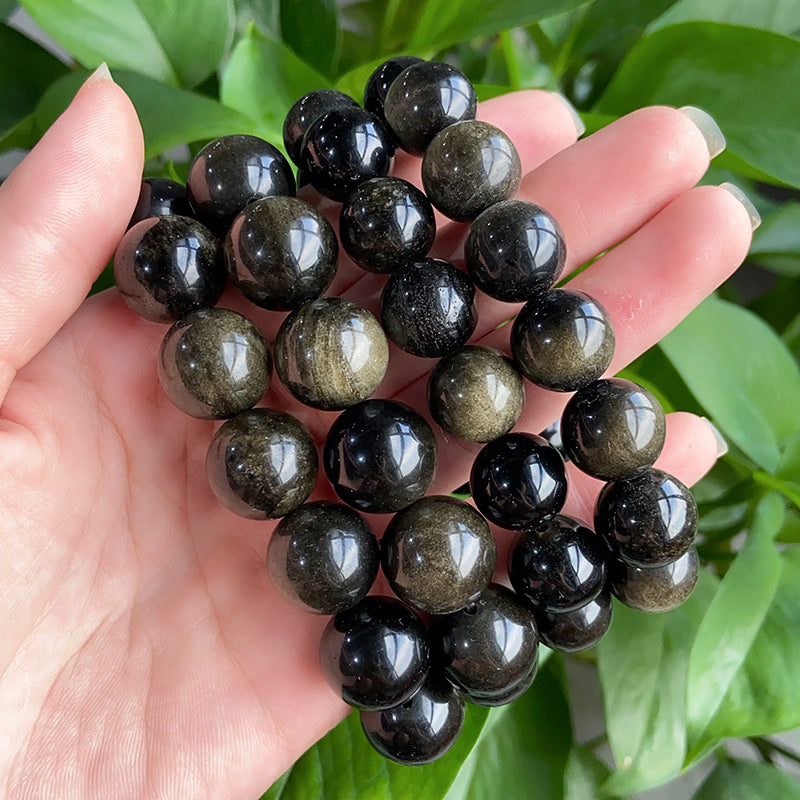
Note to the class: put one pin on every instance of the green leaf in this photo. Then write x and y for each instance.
(741, 373)
(311, 29)
(7, 7)
(584, 775)
(776, 15)
(748, 780)
(265, 14)
(746, 78)
(776, 244)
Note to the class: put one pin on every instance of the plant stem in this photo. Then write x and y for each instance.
(764, 745)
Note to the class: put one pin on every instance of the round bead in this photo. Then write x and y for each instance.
(558, 565)
(552, 434)
(233, 171)
(214, 363)
(262, 464)
(573, 631)
(657, 589)
(166, 267)
(469, 167)
(160, 197)
(386, 223)
(488, 648)
(517, 480)
(438, 554)
(376, 654)
(344, 147)
(428, 308)
(323, 557)
(382, 77)
(476, 394)
(515, 251)
(515, 691)
(380, 456)
(650, 520)
(308, 109)
(612, 429)
(562, 340)
(424, 99)
(331, 353)
(281, 252)
(420, 730)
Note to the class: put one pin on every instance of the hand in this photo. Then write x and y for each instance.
(145, 653)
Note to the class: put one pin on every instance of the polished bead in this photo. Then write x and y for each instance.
(386, 223)
(552, 434)
(380, 456)
(420, 730)
(476, 393)
(562, 340)
(331, 353)
(612, 429)
(309, 108)
(513, 692)
(382, 77)
(214, 363)
(233, 171)
(656, 589)
(262, 464)
(438, 554)
(515, 251)
(469, 167)
(558, 565)
(344, 147)
(376, 654)
(573, 631)
(517, 480)
(424, 99)
(160, 197)
(166, 267)
(323, 557)
(428, 308)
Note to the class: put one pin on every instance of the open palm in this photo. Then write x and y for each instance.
(145, 653)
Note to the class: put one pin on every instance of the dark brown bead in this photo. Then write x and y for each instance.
(573, 631)
(657, 589)
(305, 111)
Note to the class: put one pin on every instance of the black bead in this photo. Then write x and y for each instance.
(656, 589)
(562, 340)
(517, 480)
(376, 654)
(424, 99)
(309, 108)
(420, 730)
(166, 267)
(233, 171)
(558, 565)
(428, 308)
(573, 631)
(386, 223)
(382, 77)
(344, 147)
(612, 429)
(515, 691)
(281, 252)
(323, 557)
(160, 197)
(552, 435)
(515, 251)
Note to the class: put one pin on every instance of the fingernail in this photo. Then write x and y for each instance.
(706, 124)
(102, 73)
(576, 117)
(722, 445)
(755, 217)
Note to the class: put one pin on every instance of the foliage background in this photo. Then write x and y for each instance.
(714, 678)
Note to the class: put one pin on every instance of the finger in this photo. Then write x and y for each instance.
(63, 210)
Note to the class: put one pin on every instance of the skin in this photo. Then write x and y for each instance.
(145, 653)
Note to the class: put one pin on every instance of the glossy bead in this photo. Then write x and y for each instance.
(514, 692)
(428, 308)
(233, 171)
(214, 363)
(323, 557)
(166, 267)
(376, 654)
(469, 167)
(573, 631)
(488, 648)
(160, 197)
(344, 147)
(380, 456)
(612, 429)
(476, 393)
(515, 251)
(552, 435)
(558, 565)
(308, 109)
(518, 479)
(281, 252)
(262, 464)
(382, 77)
(386, 223)
(657, 589)
(650, 520)
(331, 353)
(562, 340)
(424, 99)
(420, 730)
(438, 554)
